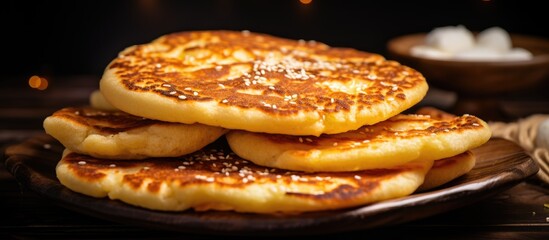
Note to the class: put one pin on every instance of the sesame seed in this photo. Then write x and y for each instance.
(475, 124)
(195, 93)
(188, 89)
(112, 165)
(181, 167)
(182, 97)
(177, 170)
(166, 85)
(372, 77)
(272, 87)
(300, 139)
(82, 163)
(335, 144)
(332, 100)
(225, 101)
(158, 65)
(274, 106)
(218, 68)
(46, 146)
(173, 92)
(221, 85)
(245, 32)
(308, 140)
(357, 177)
(146, 168)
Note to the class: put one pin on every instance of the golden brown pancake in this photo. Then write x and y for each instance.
(448, 169)
(393, 142)
(99, 102)
(259, 83)
(216, 179)
(118, 135)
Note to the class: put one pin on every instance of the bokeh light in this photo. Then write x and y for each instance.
(38, 82)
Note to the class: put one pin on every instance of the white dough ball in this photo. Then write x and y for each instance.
(429, 52)
(542, 137)
(479, 54)
(450, 39)
(518, 54)
(495, 38)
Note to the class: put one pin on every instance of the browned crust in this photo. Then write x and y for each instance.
(144, 68)
(207, 167)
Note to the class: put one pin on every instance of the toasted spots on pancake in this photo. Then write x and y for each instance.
(447, 169)
(389, 143)
(118, 135)
(217, 179)
(255, 75)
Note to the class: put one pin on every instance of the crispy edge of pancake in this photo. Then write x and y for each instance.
(159, 139)
(142, 184)
(447, 169)
(265, 150)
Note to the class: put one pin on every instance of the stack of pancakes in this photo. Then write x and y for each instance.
(223, 120)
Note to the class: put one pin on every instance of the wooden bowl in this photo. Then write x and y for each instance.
(477, 77)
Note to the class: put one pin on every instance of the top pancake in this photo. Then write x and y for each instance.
(259, 83)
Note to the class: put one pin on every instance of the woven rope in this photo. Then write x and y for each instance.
(524, 132)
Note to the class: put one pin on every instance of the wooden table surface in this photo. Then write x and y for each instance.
(517, 213)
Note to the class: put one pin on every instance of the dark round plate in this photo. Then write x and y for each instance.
(501, 164)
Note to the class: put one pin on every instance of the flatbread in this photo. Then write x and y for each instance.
(118, 135)
(216, 179)
(448, 169)
(99, 102)
(259, 83)
(400, 139)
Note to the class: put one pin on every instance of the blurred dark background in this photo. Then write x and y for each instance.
(60, 38)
